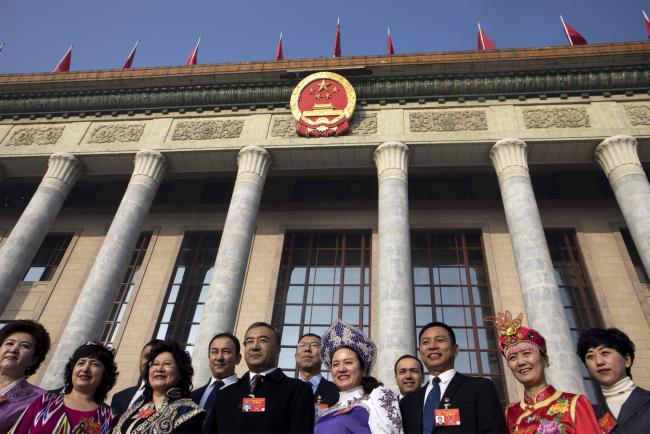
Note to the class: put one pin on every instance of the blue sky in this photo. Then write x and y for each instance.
(38, 32)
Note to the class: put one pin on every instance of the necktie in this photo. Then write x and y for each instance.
(254, 382)
(213, 394)
(432, 402)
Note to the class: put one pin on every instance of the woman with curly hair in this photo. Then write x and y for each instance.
(23, 347)
(166, 405)
(79, 407)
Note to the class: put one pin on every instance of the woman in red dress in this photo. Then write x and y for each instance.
(544, 409)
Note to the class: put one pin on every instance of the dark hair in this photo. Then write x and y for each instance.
(610, 338)
(152, 342)
(439, 324)
(276, 334)
(104, 355)
(37, 332)
(183, 363)
(408, 356)
(368, 382)
(309, 334)
(228, 335)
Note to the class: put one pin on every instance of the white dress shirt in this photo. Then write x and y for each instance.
(226, 382)
(445, 379)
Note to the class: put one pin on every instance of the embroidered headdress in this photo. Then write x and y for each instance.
(514, 337)
(340, 335)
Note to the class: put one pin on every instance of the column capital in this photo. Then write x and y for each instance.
(150, 168)
(617, 155)
(63, 170)
(253, 164)
(392, 160)
(509, 158)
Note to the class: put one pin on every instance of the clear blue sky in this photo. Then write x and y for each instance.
(38, 32)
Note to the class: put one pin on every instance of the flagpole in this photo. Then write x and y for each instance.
(2, 46)
(566, 31)
(642, 11)
(64, 56)
(137, 42)
(480, 32)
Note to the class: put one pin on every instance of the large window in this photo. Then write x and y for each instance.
(451, 286)
(120, 305)
(577, 296)
(634, 256)
(48, 258)
(183, 308)
(323, 276)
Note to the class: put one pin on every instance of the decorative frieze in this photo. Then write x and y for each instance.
(569, 117)
(364, 124)
(35, 136)
(116, 133)
(208, 130)
(638, 114)
(441, 121)
(283, 126)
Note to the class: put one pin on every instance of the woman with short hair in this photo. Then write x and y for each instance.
(79, 407)
(166, 404)
(23, 347)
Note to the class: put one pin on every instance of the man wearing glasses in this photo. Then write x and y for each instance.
(264, 400)
(309, 364)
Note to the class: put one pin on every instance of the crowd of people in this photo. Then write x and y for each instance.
(265, 400)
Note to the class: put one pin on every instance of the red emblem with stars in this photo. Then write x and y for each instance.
(322, 104)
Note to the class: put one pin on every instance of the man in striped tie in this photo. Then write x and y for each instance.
(451, 402)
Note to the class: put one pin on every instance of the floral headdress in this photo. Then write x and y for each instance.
(514, 337)
(341, 335)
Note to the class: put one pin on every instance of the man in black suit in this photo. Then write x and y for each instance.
(127, 397)
(472, 400)
(409, 374)
(326, 394)
(609, 356)
(264, 400)
(223, 355)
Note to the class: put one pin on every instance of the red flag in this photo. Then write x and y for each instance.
(484, 42)
(129, 60)
(391, 49)
(279, 55)
(572, 35)
(194, 54)
(647, 23)
(337, 39)
(64, 63)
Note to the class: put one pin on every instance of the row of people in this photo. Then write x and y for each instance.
(266, 400)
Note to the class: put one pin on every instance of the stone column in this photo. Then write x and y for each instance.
(618, 157)
(224, 294)
(396, 334)
(26, 237)
(98, 294)
(541, 295)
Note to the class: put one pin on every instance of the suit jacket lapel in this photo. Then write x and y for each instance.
(454, 384)
(419, 402)
(636, 400)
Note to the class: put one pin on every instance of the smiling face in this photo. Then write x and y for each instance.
(408, 375)
(346, 369)
(437, 350)
(528, 367)
(87, 374)
(308, 354)
(260, 349)
(606, 365)
(223, 357)
(17, 353)
(163, 372)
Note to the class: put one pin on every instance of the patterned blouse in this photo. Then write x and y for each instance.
(174, 416)
(553, 412)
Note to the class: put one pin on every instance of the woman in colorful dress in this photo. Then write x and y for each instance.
(79, 407)
(364, 406)
(167, 406)
(544, 409)
(23, 347)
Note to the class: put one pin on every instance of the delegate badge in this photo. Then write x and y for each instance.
(253, 405)
(447, 416)
(607, 422)
(322, 104)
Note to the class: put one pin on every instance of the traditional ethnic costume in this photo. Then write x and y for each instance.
(14, 399)
(49, 415)
(356, 412)
(551, 411)
(174, 416)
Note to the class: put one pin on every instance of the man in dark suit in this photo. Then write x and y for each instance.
(409, 374)
(449, 395)
(264, 400)
(127, 397)
(609, 356)
(223, 355)
(326, 394)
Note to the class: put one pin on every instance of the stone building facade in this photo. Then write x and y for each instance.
(179, 202)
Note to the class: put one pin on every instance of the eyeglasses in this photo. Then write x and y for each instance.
(313, 345)
(167, 364)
